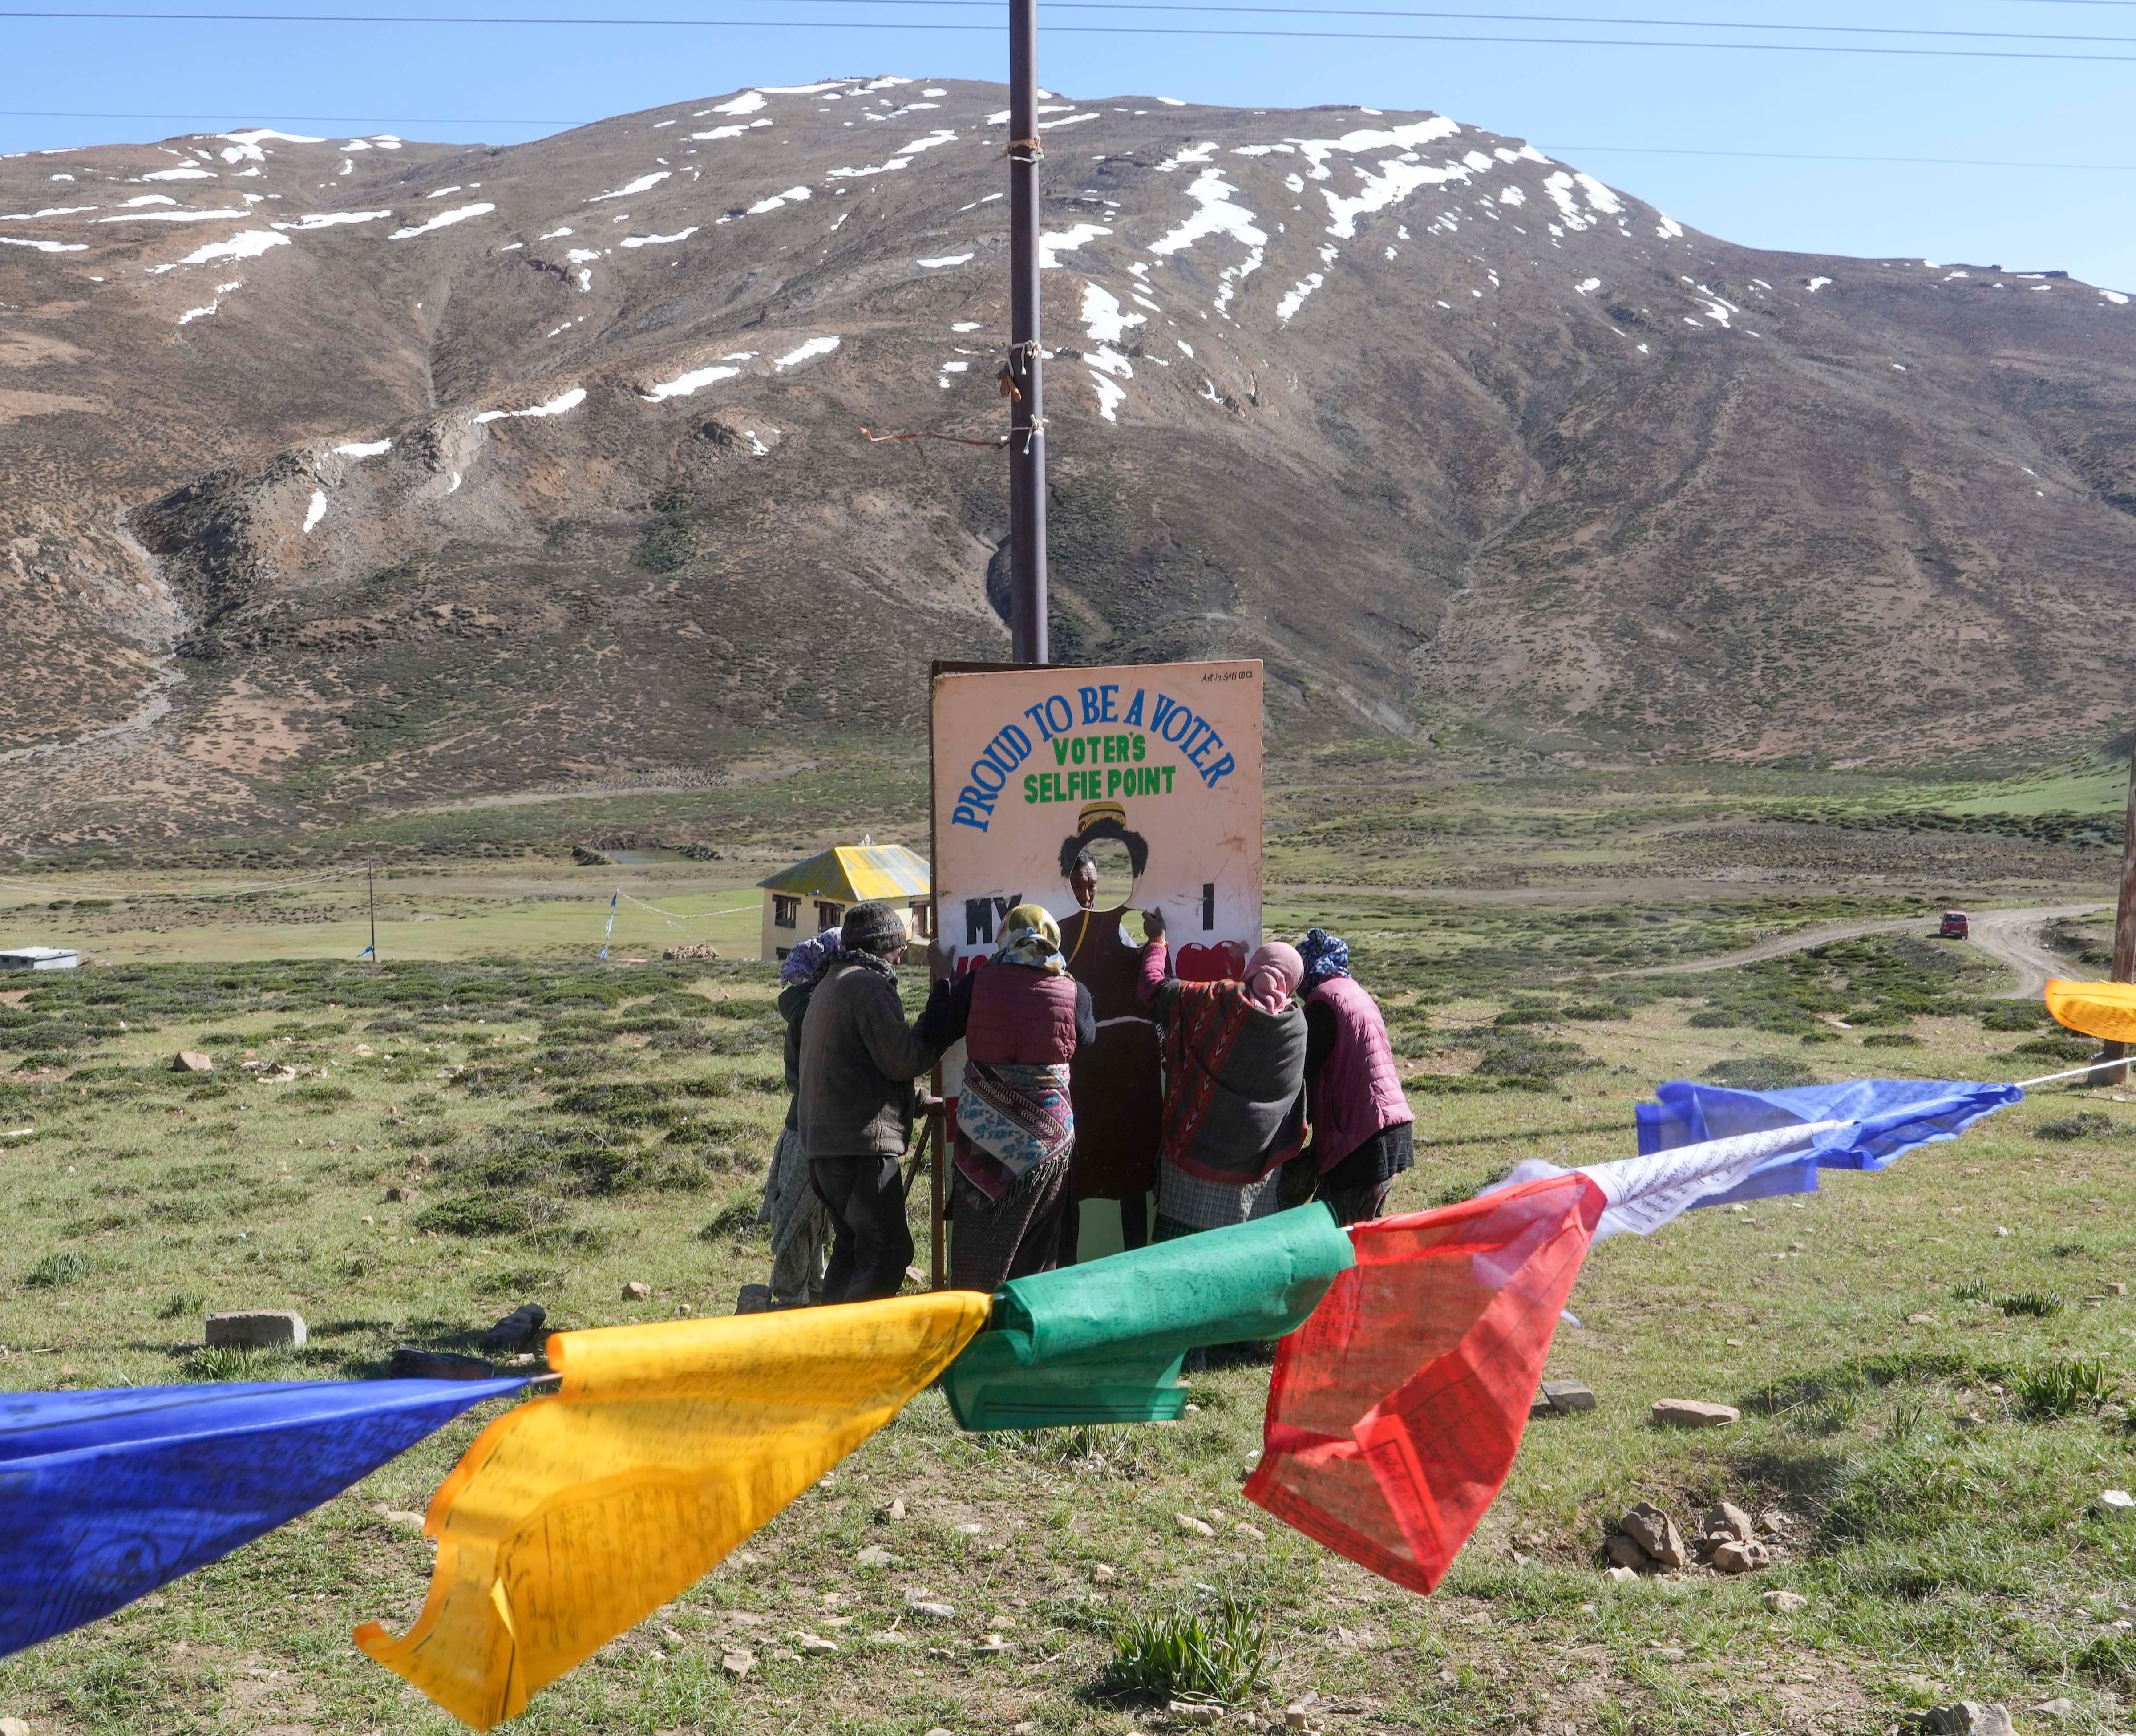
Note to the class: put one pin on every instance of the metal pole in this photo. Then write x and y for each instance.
(1026, 441)
(2124, 969)
(371, 885)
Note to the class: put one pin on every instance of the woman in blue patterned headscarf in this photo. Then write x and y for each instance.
(1325, 956)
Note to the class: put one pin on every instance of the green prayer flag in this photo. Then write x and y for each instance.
(1102, 1342)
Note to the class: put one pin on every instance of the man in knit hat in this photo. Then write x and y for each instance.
(859, 1058)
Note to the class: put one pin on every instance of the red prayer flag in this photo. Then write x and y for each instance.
(1394, 1412)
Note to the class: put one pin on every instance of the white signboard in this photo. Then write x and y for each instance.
(1032, 766)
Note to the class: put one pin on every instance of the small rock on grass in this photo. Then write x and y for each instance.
(1693, 1414)
(738, 1662)
(897, 1508)
(1103, 1574)
(1924, 1320)
(191, 1060)
(1655, 1532)
(13, 1726)
(518, 1330)
(1622, 1576)
(413, 1362)
(1781, 1602)
(874, 1555)
(816, 1642)
(1189, 1711)
(2117, 1504)
(1199, 1527)
(1731, 1557)
(256, 1329)
(2057, 1709)
(1724, 1520)
(1969, 1717)
(636, 1291)
(1568, 1396)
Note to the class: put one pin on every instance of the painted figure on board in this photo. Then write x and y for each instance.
(1115, 1079)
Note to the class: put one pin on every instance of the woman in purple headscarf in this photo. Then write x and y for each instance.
(1234, 1086)
(1361, 1117)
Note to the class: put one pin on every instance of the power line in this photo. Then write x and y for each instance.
(1971, 162)
(1562, 151)
(1105, 30)
(316, 120)
(1189, 6)
(1565, 151)
(1350, 11)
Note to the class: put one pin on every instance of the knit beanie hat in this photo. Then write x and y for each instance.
(873, 927)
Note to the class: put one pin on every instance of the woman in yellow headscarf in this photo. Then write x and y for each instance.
(1022, 1017)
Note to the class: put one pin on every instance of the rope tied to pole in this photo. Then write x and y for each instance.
(1024, 150)
(995, 445)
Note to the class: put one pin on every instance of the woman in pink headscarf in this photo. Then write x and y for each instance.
(1233, 1085)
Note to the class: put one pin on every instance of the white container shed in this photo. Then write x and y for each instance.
(39, 958)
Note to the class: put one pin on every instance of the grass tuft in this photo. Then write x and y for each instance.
(214, 1362)
(56, 1270)
(2039, 1304)
(2064, 1387)
(1219, 1656)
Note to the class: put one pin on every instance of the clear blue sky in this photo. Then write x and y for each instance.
(1602, 108)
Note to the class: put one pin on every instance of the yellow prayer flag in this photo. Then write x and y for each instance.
(2102, 1009)
(573, 1518)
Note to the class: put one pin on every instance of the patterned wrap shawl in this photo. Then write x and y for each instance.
(1235, 1077)
(1011, 1118)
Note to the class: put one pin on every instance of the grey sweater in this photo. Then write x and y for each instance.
(859, 1060)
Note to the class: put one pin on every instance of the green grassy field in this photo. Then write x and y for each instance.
(535, 910)
(559, 1129)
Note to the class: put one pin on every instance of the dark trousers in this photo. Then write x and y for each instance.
(871, 1246)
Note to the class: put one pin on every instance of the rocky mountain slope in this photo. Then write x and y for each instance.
(359, 473)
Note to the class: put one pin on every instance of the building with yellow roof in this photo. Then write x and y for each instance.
(815, 895)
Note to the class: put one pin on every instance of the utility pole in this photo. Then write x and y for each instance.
(1023, 381)
(371, 886)
(2124, 969)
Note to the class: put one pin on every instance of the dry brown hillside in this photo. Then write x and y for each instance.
(351, 473)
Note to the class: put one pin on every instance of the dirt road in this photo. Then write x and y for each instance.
(2010, 937)
(2013, 937)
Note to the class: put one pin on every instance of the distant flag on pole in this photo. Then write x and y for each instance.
(366, 952)
(2106, 1010)
(609, 933)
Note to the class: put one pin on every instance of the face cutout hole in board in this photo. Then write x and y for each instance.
(1103, 878)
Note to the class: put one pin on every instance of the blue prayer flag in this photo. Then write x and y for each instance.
(1883, 1118)
(105, 1496)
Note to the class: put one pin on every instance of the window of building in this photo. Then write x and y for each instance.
(923, 920)
(828, 915)
(785, 912)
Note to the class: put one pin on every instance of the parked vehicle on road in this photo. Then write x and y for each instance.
(1956, 925)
